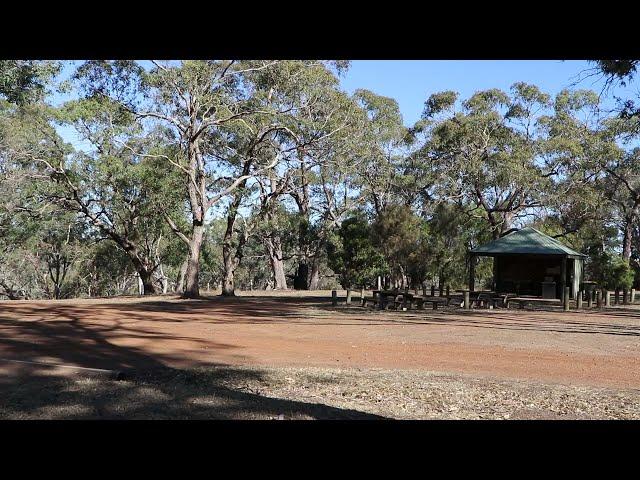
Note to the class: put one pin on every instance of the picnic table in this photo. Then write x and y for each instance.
(381, 297)
(404, 299)
(487, 298)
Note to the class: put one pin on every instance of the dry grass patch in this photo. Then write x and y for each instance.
(309, 393)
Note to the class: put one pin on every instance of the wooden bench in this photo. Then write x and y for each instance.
(524, 301)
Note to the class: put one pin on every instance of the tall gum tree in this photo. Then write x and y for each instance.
(116, 184)
(484, 155)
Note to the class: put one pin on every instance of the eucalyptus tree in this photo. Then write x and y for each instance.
(307, 138)
(324, 184)
(116, 183)
(26, 137)
(484, 154)
(303, 92)
(385, 135)
(575, 149)
(24, 82)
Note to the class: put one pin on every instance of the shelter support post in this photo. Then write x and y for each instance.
(472, 272)
(563, 277)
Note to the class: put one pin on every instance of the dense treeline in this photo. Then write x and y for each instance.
(193, 175)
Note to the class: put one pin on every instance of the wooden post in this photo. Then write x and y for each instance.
(607, 298)
(563, 277)
(567, 294)
(625, 295)
(433, 290)
(380, 302)
(434, 305)
(362, 296)
(633, 296)
(415, 290)
(599, 298)
(467, 303)
(617, 297)
(334, 298)
(348, 302)
(590, 299)
(579, 300)
(424, 289)
(472, 273)
(447, 291)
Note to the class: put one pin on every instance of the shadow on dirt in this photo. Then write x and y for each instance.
(214, 393)
(151, 390)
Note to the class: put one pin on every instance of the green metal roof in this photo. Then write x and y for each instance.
(526, 241)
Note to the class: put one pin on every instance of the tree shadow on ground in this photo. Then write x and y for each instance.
(150, 390)
(213, 393)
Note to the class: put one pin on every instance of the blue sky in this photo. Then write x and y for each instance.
(411, 82)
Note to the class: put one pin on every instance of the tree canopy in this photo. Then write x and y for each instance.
(191, 175)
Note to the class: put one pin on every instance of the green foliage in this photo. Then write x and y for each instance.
(353, 255)
(398, 234)
(25, 81)
(612, 271)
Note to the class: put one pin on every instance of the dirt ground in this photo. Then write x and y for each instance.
(485, 363)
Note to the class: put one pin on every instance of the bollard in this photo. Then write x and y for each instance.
(567, 293)
(590, 299)
(433, 290)
(632, 300)
(599, 298)
(467, 303)
(579, 300)
(607, 298)
(334, 298)
(348, 302)
(434, 305)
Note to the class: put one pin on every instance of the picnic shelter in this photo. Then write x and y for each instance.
(528, 262)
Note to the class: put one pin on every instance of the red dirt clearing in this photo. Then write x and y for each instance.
(591, 348)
